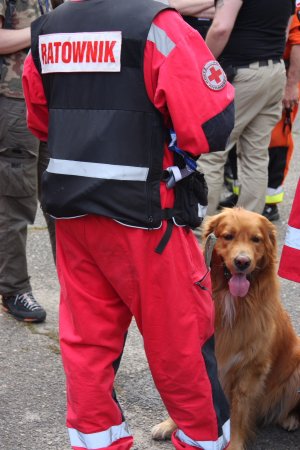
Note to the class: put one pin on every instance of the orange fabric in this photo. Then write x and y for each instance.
(294, 35)
(282, 137)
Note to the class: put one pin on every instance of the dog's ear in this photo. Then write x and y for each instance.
(270, 240)
(209, 225)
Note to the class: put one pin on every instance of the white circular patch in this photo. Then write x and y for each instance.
(214, 76)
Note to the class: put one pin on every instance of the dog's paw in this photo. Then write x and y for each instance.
(290, 423)
(235, 446)
(163, 430)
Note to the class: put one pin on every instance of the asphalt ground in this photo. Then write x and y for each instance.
(32, 383)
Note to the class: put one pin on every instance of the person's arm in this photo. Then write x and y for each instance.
(37, 110)
(197, 8)
(291, 92)
(222, 25)
(12, 41)
(292, 54)
(187, 85)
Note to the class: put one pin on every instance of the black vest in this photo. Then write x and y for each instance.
(103, 123)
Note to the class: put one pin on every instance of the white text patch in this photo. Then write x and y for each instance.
(81, 52)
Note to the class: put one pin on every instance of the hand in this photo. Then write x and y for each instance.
(291, 96)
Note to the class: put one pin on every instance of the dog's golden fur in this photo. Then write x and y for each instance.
(257, 349)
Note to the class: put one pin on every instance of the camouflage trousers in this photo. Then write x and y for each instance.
(23, 159)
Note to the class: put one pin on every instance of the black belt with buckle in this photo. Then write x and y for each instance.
(262, 63)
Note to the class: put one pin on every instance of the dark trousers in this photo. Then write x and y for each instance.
(22, 161)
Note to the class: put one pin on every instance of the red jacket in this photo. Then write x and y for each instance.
(178, 85)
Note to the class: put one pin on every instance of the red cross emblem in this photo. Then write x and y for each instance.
(214, 76)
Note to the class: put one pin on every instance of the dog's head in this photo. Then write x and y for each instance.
(245, 245)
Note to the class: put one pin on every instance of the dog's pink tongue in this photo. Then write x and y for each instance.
(239, 285)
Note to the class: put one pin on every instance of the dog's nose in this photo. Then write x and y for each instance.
(242, 262)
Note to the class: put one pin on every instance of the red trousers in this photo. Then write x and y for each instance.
(109, 273)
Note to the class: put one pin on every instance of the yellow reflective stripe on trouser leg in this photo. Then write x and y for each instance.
(274, 195)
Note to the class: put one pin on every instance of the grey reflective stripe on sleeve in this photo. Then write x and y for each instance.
(276, 191)
(97, 170)
(160, 38)
(292, 238)
(102, 439)
(220, 444)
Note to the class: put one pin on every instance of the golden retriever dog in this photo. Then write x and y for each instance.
(257, 349)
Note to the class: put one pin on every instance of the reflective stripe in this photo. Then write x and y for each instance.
(274, 195)
(220, 444)
(270, 200)
(292, 238)
(236, 189)
(235, 185)
(97, 170)
(103, 439)
(159, 37)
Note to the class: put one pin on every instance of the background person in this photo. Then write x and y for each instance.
(23, 158)
(248, 39)
(108, 150)
(282, 144)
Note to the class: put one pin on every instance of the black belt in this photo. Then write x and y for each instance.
(262, 63)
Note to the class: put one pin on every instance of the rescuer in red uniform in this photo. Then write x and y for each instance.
(124, 248)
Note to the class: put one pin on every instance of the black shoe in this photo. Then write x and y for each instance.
(24, 307)
(229, 202)
(271, 212)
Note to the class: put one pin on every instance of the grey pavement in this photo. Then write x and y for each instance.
(32, 384)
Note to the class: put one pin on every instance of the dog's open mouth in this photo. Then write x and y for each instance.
(238, 283)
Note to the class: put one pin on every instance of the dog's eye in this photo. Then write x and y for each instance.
(228, 237)
(255, 239)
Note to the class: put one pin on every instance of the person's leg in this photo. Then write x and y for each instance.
(175, 315)
(280, 153)
(212, 165)
(18, 159)
(248, 101)
(93, 325)
(43, 162)
(281, 141)
(177, 323)
(231, 169)
(255, 139)
(18, 202)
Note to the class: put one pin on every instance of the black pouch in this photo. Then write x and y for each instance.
(190, 200)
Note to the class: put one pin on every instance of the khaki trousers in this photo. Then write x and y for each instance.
(22, 161)
(258, 107)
